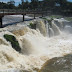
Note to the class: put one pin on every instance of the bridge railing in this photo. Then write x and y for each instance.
(20, 11)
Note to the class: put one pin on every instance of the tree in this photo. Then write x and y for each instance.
(26, 5)
(48, 4)
(19, 6)
(11, 4)
(22, 4)
(63, 3)
(34, 4)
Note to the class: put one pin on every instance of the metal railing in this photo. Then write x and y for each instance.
(21, 11)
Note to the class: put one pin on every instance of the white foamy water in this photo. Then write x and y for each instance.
(11, 19)
(36, 47)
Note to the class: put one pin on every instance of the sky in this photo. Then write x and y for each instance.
(70, 0)
(16, 1)
(19, 1)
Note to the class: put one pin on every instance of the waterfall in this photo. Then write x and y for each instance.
(59, 24)
(55, 29)
(47, 28)
(21, 32)
(68, 29)
(41, 26)
(51, 32)
(36, 46)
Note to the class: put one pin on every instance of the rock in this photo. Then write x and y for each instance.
(13, 41)
(33, 26)
(58, 64)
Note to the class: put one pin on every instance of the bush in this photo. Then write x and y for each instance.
(33, 26)
(13, 41)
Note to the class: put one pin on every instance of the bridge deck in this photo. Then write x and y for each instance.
(19, 13)
(16, 12)
(4, 12)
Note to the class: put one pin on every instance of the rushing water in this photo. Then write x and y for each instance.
(37, 46)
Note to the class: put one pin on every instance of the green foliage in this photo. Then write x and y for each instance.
(50, 5)
(49, 20)
(68, 18)
(34, 4)
(11, 4)
(8, 5)
(44, 18)
(13, 41)
(33, 26)
(3, 5)
(56, 16)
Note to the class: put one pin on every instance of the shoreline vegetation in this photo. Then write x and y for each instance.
(62, 7)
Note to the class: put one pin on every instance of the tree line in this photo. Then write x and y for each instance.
(53, 5)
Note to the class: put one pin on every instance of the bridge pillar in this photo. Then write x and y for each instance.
(42, 14)
(34, 16)
(23, 17)
(1, 22)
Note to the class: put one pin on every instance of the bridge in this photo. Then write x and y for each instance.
(4, 12)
